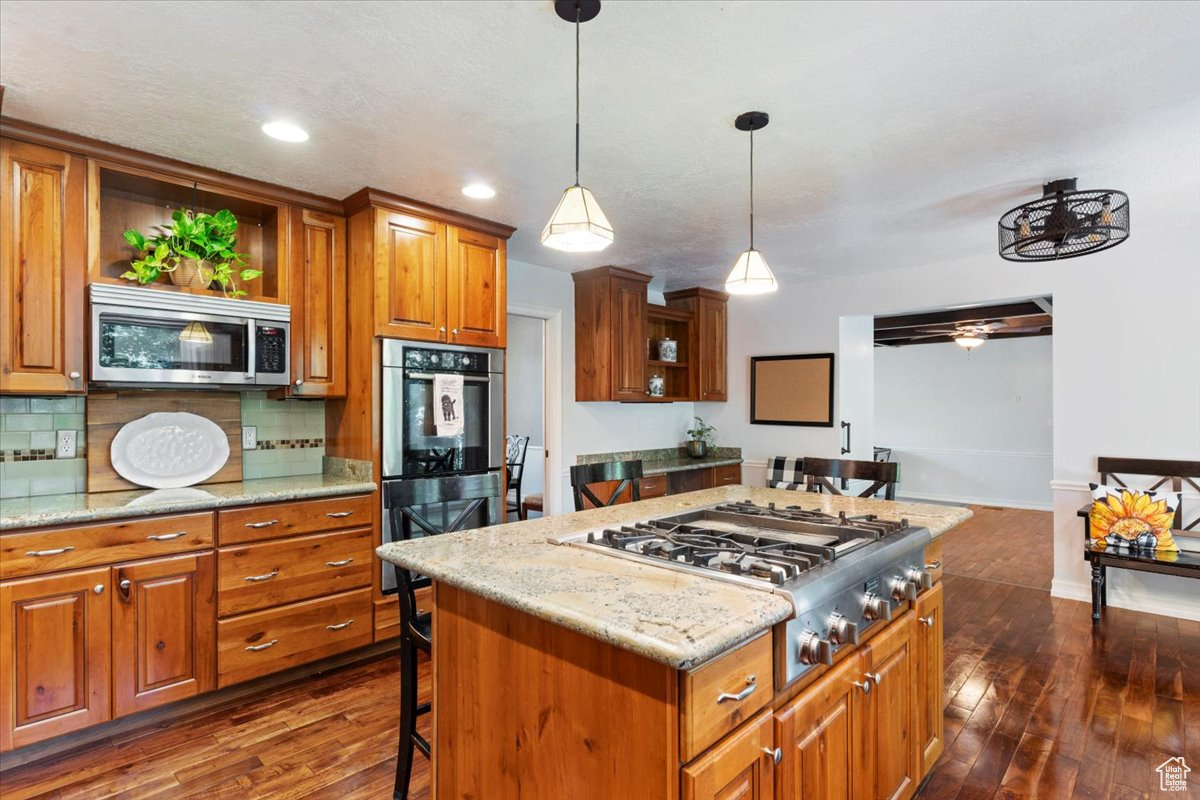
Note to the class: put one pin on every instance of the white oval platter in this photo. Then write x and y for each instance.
(168, 450)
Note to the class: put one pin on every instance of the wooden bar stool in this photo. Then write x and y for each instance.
(405, 502)
(532, 502)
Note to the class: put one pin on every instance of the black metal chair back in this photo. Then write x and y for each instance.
(819, 471)
(1175, 473)
(516, 447)
(627, 474)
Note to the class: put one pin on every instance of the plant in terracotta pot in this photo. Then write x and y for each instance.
(700, 438)
(196, 250)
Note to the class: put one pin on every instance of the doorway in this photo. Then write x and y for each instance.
(532, 401)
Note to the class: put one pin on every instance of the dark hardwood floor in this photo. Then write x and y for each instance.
(1038, 705)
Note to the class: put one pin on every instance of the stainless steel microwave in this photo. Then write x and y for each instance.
(144, 337)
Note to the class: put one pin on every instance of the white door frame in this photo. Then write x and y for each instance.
(552, 402)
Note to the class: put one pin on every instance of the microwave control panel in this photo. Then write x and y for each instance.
(270, 350)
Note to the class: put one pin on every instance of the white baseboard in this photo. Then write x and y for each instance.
(1148, 602)
(977, 501)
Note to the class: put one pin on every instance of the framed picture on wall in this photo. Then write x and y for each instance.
(792, 390)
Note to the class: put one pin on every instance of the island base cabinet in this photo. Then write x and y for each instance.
(162, 631)
(931, 677)
(890, 734)
(740, 767)
(54, 655)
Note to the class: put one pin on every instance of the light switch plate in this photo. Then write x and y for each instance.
(64, 446)
(249, 437)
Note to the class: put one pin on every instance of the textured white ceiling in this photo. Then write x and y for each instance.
(899, 131)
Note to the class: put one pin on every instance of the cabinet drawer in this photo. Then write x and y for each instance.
(255, 576)
(105, 543)
(724, 693)
(258, 523)
(933, 560)
(730, 474)
(268, 641)
(653, 486)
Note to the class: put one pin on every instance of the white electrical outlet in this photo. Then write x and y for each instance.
(65, 444)
(249, 437)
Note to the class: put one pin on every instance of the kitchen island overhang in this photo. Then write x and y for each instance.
(548, 656)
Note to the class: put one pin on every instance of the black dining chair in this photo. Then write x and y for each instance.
(621, 475)
(406, 503)
(883, 474)
(515, 448)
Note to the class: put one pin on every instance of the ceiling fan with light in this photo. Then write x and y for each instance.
(975, 334)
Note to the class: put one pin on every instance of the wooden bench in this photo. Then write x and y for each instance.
(1185, 563)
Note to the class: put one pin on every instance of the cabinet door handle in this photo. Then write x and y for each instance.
(338, 514)
(442, 329)
(776, 754)
(743, 694)
(98, 588)
(865, 685)
(74, 376)
(877, 677)
(56, 552)
(934, 564)
(340, 625)
(165, 537)
(341, 563)
(299, 381)
(260, 578)
(846, 449)
(455, 331)
(926, 621)
(254, 648)
(123, 585)
(266, 524)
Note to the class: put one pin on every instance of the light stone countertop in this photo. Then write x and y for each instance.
(672, 617)
(65, 509)
(663, 465)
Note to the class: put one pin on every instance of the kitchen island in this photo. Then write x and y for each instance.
(561, 672)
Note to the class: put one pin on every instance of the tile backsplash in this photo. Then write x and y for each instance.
(27, 440)
(291, 441)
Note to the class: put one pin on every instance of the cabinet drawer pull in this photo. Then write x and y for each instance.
(254, 648)
(260, 578)
(340, 625)
(165, 537)
(865, 685)
(776, 754)
(743, 694)
(266, 524)
(338, 514)
(341, 563)
(56, 552)
(934, 564)
(926, 621)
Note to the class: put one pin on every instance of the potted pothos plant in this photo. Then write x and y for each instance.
(196, 250)
(700, 438)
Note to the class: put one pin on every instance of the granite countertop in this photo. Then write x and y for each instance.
(659, 466)
(675, 618)
(667, 459)
(65, 509)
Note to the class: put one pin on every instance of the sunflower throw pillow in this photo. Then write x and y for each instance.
(1131, 518)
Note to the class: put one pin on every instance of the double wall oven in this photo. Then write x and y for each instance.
(412, 447)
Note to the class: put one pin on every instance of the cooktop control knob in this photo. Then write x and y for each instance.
(813, 649)
(842, 630)
(922, 579)
(876, 607)
(903, 589)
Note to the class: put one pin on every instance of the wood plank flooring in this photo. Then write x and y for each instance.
(1038, 705)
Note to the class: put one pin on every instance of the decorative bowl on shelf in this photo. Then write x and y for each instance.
(668, 350)
(697, 448)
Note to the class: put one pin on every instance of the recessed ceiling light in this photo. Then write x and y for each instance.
(285, 131)
(479, 191)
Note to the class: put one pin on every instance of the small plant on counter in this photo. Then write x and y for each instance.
(196, 249)
(700, 438)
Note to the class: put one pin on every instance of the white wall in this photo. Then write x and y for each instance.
(593, 427)
(969, 426)
(1125, 375)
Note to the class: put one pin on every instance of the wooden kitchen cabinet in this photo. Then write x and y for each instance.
(163, 627)
(890, 661)
(709, 348)
(820, 733)
(317, 284)
(930, 676)
(54, 655)
(476, 290)
(439, 276)
(43, 269)
(740, 767)
(610, 335)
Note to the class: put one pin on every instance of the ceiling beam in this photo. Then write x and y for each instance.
(929, 319)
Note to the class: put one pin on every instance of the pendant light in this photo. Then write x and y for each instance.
(1064, 222)
(577, 224)
(750, 274)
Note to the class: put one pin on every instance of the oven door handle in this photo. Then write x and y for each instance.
(428, 376)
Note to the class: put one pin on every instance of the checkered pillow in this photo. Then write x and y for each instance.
(785, 473)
